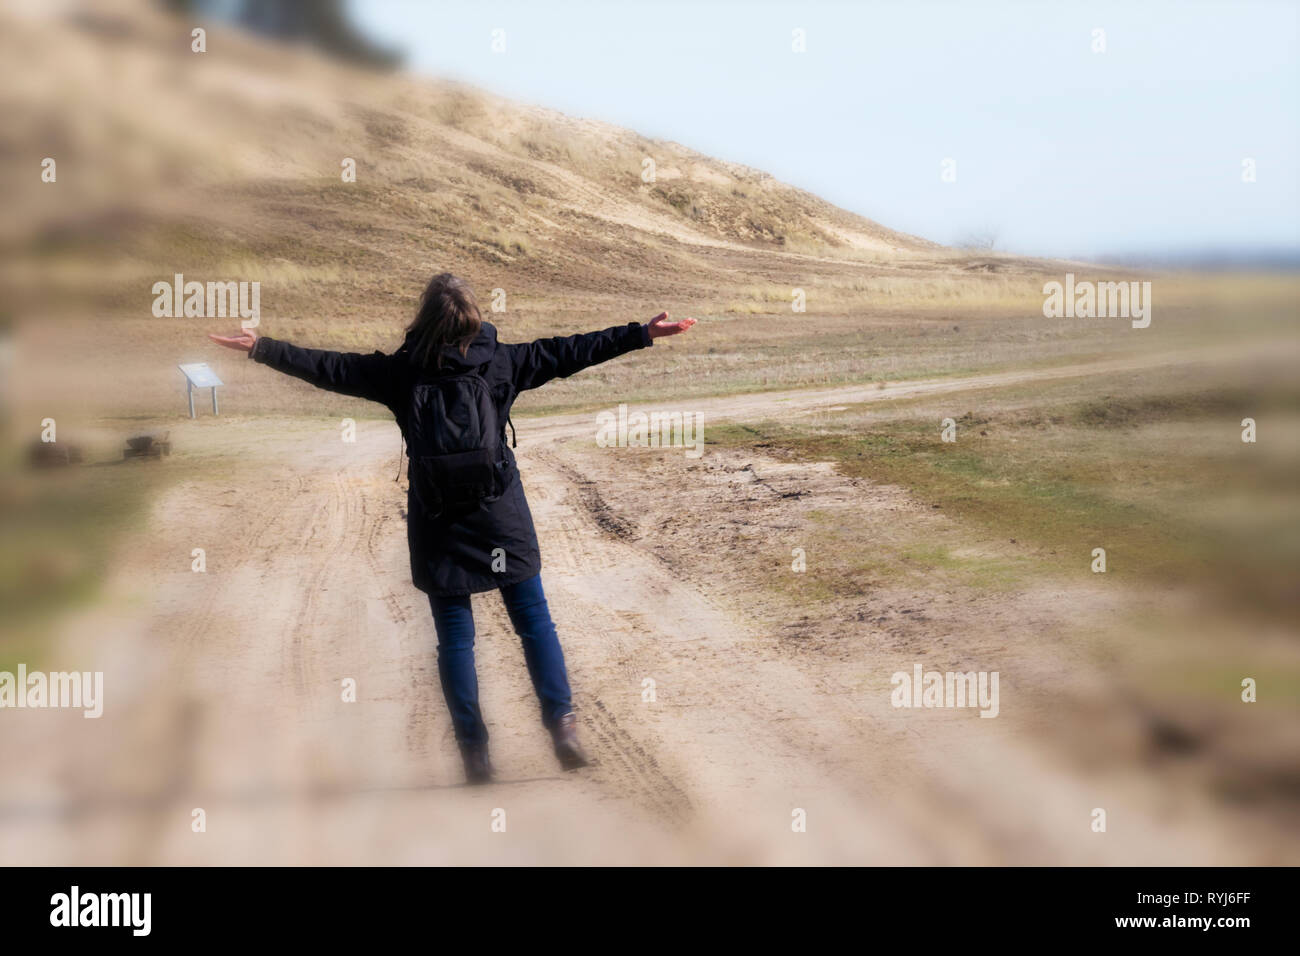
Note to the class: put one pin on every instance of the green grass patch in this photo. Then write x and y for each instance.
(1149, 478)
(60, 530)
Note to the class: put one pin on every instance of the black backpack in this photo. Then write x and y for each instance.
(454, 439)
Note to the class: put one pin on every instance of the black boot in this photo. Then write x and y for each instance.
(478, 767)
(567, 748)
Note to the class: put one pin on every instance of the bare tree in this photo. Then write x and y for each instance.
(979, 240)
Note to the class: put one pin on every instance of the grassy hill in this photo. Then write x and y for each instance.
(227, 166)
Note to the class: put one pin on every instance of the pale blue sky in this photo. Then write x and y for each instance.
(1060, 150)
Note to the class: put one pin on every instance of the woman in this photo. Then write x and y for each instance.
(450, 387)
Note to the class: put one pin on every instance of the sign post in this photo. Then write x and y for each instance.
(198, 375)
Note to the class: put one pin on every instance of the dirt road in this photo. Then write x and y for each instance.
(224, 692)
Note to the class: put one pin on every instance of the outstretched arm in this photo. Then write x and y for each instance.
(536, 363)
(349, 373)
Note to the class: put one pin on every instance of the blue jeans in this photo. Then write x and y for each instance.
(453, 619)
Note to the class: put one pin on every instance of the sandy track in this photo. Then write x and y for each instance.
(223, 692)
(759, 405)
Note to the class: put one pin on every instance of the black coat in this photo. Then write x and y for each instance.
(453, 554)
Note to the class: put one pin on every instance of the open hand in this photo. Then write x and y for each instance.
(660, 326)
(242, 342)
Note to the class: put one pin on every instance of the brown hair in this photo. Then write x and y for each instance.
(448, 315)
